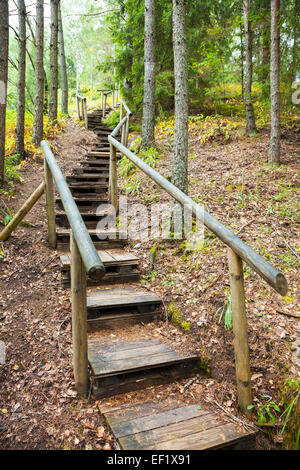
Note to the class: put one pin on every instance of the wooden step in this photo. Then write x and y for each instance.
(174, 425)
(120, 267)
(86, 202)
(90, 219)
(110, 241)
(119, 366)
(99, 163)
(88, 170)
(90, 178)
(121, 306)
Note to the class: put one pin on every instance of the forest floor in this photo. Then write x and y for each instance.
(39, 408)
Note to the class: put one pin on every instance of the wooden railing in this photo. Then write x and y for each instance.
(84, 260)
(82, 109)
(238, 251)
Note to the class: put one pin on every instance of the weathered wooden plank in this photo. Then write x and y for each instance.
(214, 438)
(147, 423)
(101, 369)
(121, 345)
(168, 432)
(117, 355)
(129, 411)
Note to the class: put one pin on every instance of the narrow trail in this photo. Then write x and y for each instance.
(124, 355)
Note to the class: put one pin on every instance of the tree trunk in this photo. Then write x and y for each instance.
(274, 152)
(63, 68)
(179, 171)
(251, 127)
(53, 61)
(3, 81)
(46, 93)
(20, 149)
(37, 134)
(148, 138)
(295, 47)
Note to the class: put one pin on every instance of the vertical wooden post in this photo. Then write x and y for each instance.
(79, 319)
(78, 107)
(239, 324)
(85, 113)
(113, 186)
(50, 205)
(126, 130)
(102, 102)
(121, 112)
(123, 134)
(104, 105)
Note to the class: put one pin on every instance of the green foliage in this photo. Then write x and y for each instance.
(267, 410)
(291, 413)
(113, 120)
(177, 318)
(226, 311)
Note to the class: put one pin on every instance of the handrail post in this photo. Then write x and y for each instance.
(79, 319)
(104, 106)
(78, 107)
(50, 205)
(121, 111)
(126, 130)
(85, 113)
(239, 325)
(113, 186)
(102, 102)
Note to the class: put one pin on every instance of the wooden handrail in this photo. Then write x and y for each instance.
(268, 272)
(237, 251)
(91, 260)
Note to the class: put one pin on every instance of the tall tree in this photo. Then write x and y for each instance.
(20, 149)
(37, 134)
(179, 170)
(53, 61)
(63, 67)
(274, 152)
(3, 80)
(148, 138)
(251, 127)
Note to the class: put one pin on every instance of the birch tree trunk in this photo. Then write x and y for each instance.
(63, 68)
(148, 126)
(3, 81)
(179, 170)
(274, 152)
(53, 61)
(20, 149)
(37, 134)
(251, 127)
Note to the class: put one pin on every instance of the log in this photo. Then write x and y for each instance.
(79, 319)
(19, 216)
(239, 325)
(113, 186)
(50, 205)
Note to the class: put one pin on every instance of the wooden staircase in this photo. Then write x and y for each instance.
(117, 302)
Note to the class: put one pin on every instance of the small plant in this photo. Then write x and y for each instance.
(266, 410)
(177, 318)
(291, 413)
(226, 311)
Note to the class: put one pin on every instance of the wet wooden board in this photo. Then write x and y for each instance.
(142, 356)
(109, 257)
(118, 297)
(167, 426)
